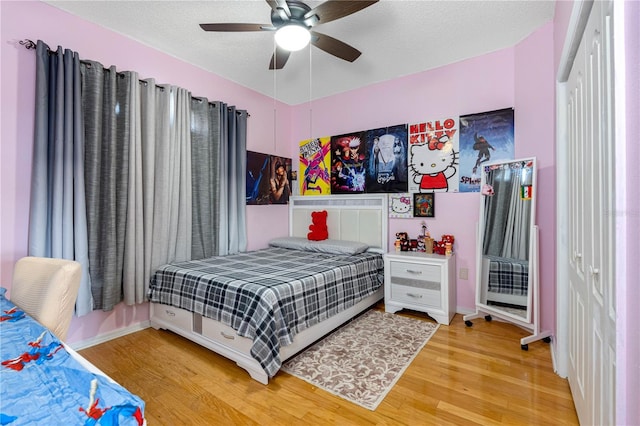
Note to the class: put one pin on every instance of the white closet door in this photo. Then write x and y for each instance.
(591, 219)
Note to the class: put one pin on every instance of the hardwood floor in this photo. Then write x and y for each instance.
(464, 376)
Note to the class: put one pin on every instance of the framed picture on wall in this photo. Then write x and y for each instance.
(401, 205)
(257, 178)
(424, 204)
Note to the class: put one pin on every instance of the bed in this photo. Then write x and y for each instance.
(260, 308)
(507, 280)
(43, 381)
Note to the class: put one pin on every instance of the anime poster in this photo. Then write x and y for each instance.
(267, 179)
(401, 206)
(386, 159)
(315, 166)
(348, 163)
(486, 136)
(433, 156)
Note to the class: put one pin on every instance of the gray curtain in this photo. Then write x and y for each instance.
(138, 169)
(113, 185)
(205, 164)
(231, 193)
(57, 221)
(518, 226)
(138, 174)
(106, 98)
(219, 158)
(145, 188)
(171, 239)
(507, 216)
(133, 267)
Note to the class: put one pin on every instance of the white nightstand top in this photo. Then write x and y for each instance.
(402, 255)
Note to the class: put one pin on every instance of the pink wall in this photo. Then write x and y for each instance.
(628, 291)
(501, 79)
(455, 89)
(535, 136)
(519, 77)
(36, 20)
(561, 16)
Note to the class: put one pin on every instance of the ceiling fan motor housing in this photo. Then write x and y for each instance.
(298, 11)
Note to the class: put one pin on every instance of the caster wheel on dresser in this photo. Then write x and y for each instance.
(468, 323)
(488, 318)
(524, 347)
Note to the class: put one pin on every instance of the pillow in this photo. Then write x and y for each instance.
(324, 246)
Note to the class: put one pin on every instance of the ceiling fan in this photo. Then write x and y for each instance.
(298, 18)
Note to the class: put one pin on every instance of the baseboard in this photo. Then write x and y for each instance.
(554, 362)
(464, 311)
(77, 346)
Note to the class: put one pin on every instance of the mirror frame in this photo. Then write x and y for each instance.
(533, 254)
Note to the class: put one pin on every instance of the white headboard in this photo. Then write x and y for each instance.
(361, 217)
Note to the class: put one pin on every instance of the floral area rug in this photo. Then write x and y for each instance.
(361, 361)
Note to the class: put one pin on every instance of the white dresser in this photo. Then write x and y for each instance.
(421, 282)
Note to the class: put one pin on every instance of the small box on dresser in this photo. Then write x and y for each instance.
(421, 282)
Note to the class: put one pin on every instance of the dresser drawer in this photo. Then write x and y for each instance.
(175, 316)
(416, 275)
(225, 335)
(420, 281)
(416, 296)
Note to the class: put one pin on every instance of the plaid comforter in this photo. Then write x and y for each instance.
(508, 276)
(269, 295)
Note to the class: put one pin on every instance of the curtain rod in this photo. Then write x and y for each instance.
(30, 45)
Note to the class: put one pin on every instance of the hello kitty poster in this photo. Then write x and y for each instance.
(433, 156)
(401, 206)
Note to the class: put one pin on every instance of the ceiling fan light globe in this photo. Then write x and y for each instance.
(293, 37)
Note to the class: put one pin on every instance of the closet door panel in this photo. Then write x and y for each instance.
(591, 218)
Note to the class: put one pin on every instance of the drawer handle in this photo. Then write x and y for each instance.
(413, 271)
(415, 296)
(171, 314)
(227, 336)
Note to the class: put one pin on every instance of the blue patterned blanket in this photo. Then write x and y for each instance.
(43, 384)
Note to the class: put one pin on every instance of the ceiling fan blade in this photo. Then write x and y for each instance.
(234, 27)
(331, 10)
(334, 46)
(279, 58)
(280, 5)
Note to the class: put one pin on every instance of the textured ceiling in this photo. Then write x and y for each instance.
(396, 38)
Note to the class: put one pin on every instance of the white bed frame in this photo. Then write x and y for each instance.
(350, 217)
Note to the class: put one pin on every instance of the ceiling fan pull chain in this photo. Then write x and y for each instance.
(310, 97)
(274, 99)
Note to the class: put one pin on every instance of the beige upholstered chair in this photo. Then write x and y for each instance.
(47, 290)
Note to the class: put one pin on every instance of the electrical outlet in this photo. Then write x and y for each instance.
(464, 273)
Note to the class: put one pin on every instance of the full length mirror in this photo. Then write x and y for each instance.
(506, 233)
